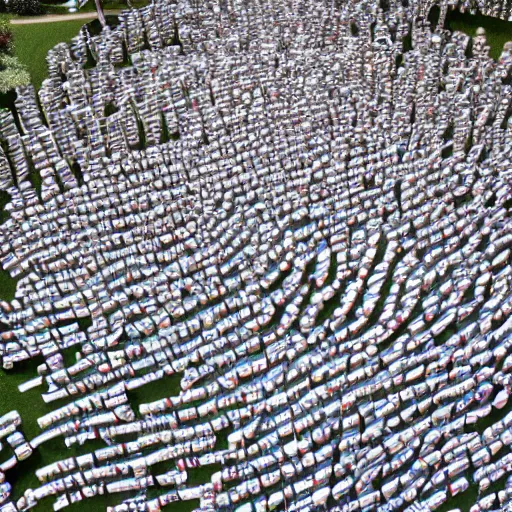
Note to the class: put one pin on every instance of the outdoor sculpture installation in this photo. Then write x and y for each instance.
(302, 209)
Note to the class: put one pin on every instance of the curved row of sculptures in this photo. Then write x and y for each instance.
(301, 210)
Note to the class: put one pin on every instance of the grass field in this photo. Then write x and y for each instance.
(34, 41)
(57, 7)
(498, 31)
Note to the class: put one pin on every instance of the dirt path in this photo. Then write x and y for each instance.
(53, 18)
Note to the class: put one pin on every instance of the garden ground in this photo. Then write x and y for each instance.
(35, 40)
(32, 44)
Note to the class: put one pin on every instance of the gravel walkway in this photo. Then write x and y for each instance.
(53, 18)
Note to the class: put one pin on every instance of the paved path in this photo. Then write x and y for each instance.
(52, 18)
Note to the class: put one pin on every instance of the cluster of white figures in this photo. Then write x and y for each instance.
(298, 209)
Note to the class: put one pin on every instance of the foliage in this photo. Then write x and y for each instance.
(12, 73)
(24, 7)
(6, 36)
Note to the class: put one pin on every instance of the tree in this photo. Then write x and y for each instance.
(24, 7)
(6, 36)
(12, 73)
(101, 15)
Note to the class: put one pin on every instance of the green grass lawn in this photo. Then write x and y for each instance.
(58, 8)
(34, 41)
(498, 31)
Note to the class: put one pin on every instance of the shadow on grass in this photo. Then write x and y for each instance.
(202, 475)
(464, 501)
(156, 390)
(7, 285)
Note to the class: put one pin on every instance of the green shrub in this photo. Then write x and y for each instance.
(6, 36)
(12, 73)
(24, 7)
